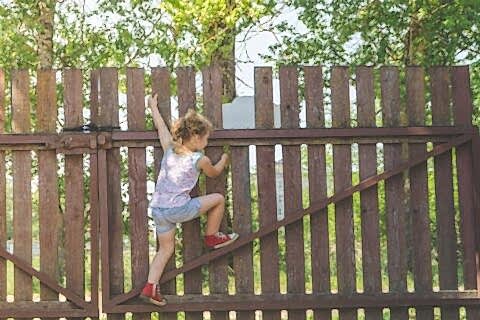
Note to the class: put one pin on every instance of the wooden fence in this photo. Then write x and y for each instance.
(380, 197)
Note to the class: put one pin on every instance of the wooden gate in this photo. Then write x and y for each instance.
(60, 226)
(380, 198)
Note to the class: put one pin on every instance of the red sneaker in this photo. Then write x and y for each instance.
(151, 293)
(220, 239)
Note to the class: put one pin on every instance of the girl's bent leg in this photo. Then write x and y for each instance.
(214, 204)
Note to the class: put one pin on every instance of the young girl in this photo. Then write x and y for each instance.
(171, 203)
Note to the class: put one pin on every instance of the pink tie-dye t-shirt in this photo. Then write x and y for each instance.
(178, 175)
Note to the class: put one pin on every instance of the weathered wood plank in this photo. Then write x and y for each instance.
(192, 239)
(370, 219)
(394, 191)
(161, 86)
(462, 111)
(342, 171)
(74, 194)
(267, 205)
(44, 309)
(294, 301)
(3, 193)
(242, 224)
(22, 192)
(49, 215)
(292, 181)
(317, 179)
(94, 198)
(419, 219)
(445, 210)
(107, 115)
(212, 100)
(137, 183)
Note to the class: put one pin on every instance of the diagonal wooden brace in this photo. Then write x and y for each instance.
(299, 214)
(45, 279)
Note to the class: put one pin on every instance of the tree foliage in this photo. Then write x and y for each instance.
(90, 34)
(400, 32)
(384, 32)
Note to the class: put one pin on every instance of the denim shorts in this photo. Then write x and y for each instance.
(166, 218)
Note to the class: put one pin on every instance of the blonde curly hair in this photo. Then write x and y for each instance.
(184, 128)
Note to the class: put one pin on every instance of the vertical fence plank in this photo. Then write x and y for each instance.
(242, 223)
(192, 240)
(419, 219)
(342, 167)
(212, 99)
(161, 86)
(372, 281)
(107, 115)
(445, 210)
(267, 205)
(394, 192)
(94, 197)
(22, 177)
(317, 179)
(3, 194)
(463, 107)
(49, 215)
(476, 193)
(292, 177)
(137, 182)
(74, 194)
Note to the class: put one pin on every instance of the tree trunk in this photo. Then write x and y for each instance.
(46, 12)
(225, 57)
(228, 67)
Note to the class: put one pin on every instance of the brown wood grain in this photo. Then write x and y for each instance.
(107, 115)
(94, 199)
(192, 239)
(22, 192)
(445, 210)
(242, 224)
(342, 171)
(161, 86)
(418, 217)
(462, 111)
(370, 219)
(137, 182)
(49, 215)
(394, 191)
(267, 205)
(3, 193)
(212, 101)
(74, 194)
(317, 180)
(292, 182)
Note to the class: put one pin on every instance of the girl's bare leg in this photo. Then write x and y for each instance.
(165, 251)
(214, 204)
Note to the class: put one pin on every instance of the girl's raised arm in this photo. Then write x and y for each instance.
(163, 132)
